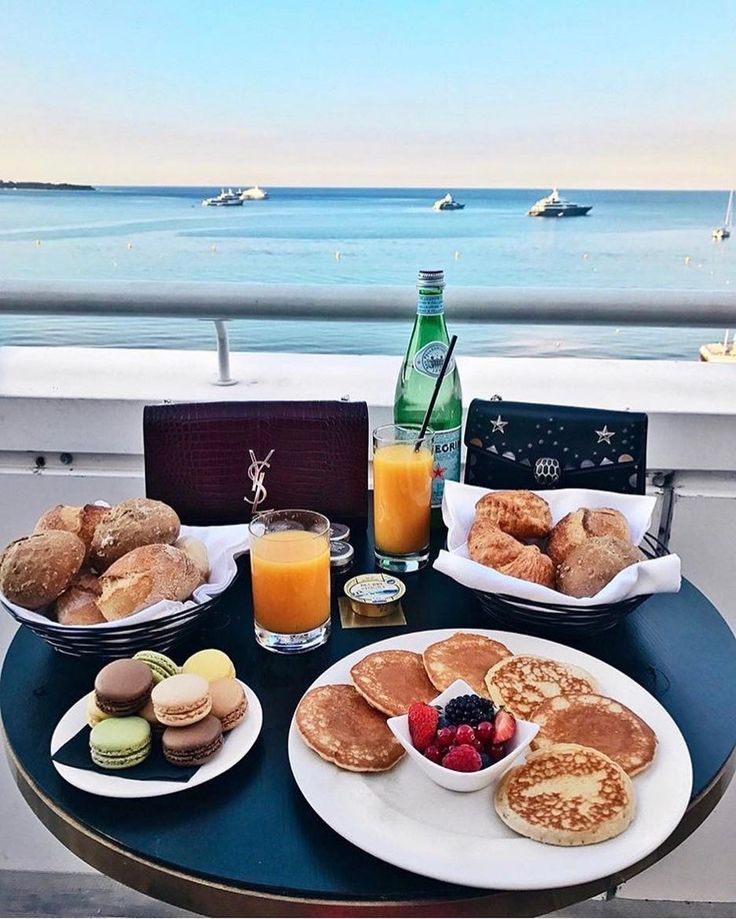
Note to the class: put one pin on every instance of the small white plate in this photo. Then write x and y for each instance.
(404, 818)
(114, 785)
(526, 731)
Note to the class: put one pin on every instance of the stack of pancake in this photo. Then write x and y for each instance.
(574, 788)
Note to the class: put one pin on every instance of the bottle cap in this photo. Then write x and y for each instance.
(339, 532)
(427, 278)
(374, 595)
(341, 555)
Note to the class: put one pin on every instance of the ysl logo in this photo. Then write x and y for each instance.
(257, 473)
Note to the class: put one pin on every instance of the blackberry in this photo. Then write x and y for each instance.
(469, 710)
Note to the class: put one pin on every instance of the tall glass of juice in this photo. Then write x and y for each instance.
(290, 573)
(402, 494)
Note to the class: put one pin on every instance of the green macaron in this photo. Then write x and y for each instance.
(119, 743)
(161, 665)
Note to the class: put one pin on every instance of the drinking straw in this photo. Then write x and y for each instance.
(430, 407)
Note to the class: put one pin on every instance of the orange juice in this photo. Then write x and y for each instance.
(402, 487)
(291, 581)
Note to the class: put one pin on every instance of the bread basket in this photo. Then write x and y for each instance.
(158, 627)
(522, 605)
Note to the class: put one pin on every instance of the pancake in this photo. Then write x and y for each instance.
(522, 682)
(339, 725)
(391, 680)
(567, 795)
(463, 657)
(600, 723)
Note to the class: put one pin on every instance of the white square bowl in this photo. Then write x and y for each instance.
(462, 781)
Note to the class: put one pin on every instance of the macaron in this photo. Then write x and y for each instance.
(161, 665)
(182, 699)
(123, 687)
(193, 745)
(94, 712)
(211, 663)
(149, 714)
(119, 743)
(229, 703)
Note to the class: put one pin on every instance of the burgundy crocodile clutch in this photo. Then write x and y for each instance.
(205, 458)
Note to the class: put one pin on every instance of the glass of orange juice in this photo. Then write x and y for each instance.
(290, 574)
(402, 495)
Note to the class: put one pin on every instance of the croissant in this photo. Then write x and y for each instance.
(519, 513)
(496, 549)
(578, 526)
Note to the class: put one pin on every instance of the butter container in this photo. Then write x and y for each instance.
(339, 532)
(374, 595)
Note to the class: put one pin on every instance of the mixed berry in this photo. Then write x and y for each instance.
(467, 736)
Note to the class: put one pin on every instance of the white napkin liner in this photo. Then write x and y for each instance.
(224, 544)
(658, 575)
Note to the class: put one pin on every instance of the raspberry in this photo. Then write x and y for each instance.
(423, 720)
(444, 738)
(433, 753)
(505, 727)
(465, 734)
(462, 758)
(484, 732)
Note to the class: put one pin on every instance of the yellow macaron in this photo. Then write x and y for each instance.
(211, 663)
(94, 714)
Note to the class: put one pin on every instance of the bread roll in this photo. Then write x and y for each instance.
(129, 525)
(82, 521)
(143, 577)
(78, 604)
(489, 546)
(197, 551)
(579, 525)
(521, 514)
(36, 569)
(595, 562)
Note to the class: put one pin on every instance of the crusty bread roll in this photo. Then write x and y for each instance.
(36, 569)
(579, 525)
(143, 577)
(129, 525)
(82, 521)
(197, 551)
(495, 549)
(78, 604)
(521, 514)
(595, 562)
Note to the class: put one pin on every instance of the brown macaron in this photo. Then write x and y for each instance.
(123, 687)
(193, 745)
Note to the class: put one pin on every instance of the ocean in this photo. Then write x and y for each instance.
(651, 239)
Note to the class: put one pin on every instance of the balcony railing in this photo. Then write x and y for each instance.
(224, 301)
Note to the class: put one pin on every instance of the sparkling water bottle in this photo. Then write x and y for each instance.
(419, 371)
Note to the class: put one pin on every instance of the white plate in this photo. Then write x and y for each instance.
(114, 784)
(402, 817)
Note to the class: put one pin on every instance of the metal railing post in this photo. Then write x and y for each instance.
(223, 355)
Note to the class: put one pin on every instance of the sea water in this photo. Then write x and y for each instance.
(647, 239)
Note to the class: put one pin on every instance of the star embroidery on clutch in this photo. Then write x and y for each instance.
(604, 436)
(499, 425)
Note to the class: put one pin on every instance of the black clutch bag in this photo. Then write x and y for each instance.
(524, 445)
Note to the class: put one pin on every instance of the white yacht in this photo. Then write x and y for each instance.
(255, 193)
(725, 231)
(553, 205)
(227, 198)
(447, 203)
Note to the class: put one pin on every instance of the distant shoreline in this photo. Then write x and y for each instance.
(45, 186)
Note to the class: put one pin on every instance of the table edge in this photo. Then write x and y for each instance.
(209, 897)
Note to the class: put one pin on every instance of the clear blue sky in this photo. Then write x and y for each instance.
(601, 93)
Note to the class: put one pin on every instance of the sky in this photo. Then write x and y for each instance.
(488, 93)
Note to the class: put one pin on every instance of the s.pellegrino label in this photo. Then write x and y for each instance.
(422, 363)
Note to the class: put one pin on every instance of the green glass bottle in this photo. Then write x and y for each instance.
(419, 371)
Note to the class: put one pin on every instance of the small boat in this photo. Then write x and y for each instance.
(256, 193)
(725, 231)
(720, 352)
(553, 205)
(447, 203)
(227, 198)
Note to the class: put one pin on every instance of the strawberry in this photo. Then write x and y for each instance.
(423, 720)
(505, 727)
(462, 758)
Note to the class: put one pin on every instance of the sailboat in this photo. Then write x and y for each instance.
(725, 231)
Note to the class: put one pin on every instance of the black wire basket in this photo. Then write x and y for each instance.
(121, 639)
(558, 619)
